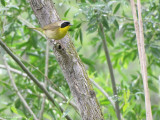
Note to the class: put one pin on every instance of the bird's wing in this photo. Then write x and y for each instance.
(51, 26)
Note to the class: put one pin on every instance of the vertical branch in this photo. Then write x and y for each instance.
(46, 61)
(18, 93)
(136, 26)
(70, 63)
(111, 72)
(45, 82)
(142, 55)
(32, 77)
(144, 65)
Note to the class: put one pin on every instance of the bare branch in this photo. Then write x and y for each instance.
(59, 94)
(144, 66)
(103, 91)
(14, 70)
(30, 25)
(46, 61)
(142, 55)
(70, 63)
(63, 97)
(2, 118)
(50, 88)
(18, 93)
(136, 25)
(45, 82)
(111, 72)
(31, 76)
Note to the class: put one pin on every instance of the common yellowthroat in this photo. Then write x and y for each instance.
(56, 30)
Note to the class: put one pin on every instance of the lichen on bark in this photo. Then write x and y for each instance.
(71, 65)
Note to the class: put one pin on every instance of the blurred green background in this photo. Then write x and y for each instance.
(85, 15)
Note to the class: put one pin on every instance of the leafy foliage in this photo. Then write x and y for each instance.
(86, 15)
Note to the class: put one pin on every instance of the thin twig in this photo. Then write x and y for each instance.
(45, 82)
(142, 55)
(111, 71)
(17, 91)
(14, 70)
(109, 98)
(2, 118)
(32, 77)
(136, 25)
(103, 91)
(50, 88)
(63, 97)
(30, 25)
(46, 62)
(123, 17)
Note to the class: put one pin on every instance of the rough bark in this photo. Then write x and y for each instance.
(71, 65)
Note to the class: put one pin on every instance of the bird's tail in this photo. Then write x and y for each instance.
(38, 29)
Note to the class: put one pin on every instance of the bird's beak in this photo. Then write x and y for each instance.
(70, 24)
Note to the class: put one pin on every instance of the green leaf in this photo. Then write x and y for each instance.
(48, 117)
(152, 86)
(8, 27)
(65, 113)
(13, 7)
(58, 108)
(4, 84)
(81, 36)
(65, 14)
(105, 23)
(117, 8)
(129, 108)
(17, 103)
(78, 25)
(14, 110)
(83, 1)
(110, 3)
(92, 28)
(3, 109)
(109, 40)
(64, 92)
(116, 23)
(94, 41)
(99, 49)
(76, 35)
(3, 2)
(87, 61)
(105, 102)
(79, 48)
(126, 98)
(74, 26)
(21, 113)
(100, 33)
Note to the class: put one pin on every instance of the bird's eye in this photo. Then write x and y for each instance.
(65, 24)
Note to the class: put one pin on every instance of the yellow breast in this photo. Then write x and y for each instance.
(63, 31)
(57, 34)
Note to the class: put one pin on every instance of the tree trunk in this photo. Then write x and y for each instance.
(71, 65)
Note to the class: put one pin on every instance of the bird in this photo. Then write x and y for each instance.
(56, 30)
